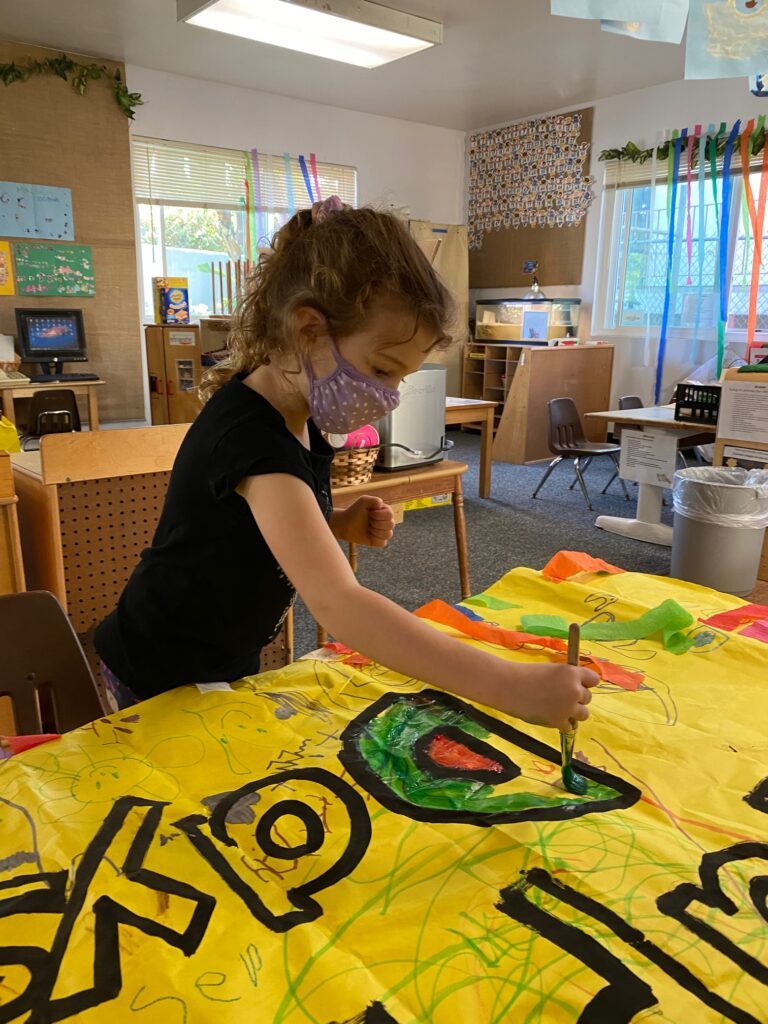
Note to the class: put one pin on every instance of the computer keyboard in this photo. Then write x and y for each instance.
(59, 378)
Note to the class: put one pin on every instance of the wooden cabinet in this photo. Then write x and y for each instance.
(521, 379)
(174, 366)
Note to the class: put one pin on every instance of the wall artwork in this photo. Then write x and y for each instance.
(7, 286)
(529, 192)
(726, 38)
(54, 269)
(333, 842)
(35, 211)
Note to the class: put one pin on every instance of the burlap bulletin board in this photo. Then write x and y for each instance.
(51, 136)
(559, 250)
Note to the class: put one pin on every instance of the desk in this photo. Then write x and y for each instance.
(647, 525)
(79, 387)
(474, 410)
(441, 899)
(395, 488)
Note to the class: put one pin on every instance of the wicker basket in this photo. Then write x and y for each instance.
(353, 466)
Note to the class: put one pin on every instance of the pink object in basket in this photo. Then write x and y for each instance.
(363, 437)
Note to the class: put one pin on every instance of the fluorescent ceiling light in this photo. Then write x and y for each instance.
(353, 31)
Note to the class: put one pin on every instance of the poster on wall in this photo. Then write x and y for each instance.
(6, 270)
(35, 211)
(53, 269)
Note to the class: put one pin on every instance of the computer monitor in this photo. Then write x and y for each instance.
(54, 336)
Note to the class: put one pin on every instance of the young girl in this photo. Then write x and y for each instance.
(340, 311)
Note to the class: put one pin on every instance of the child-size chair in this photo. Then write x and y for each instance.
(50, 412)
(568, 441)
(44, 670)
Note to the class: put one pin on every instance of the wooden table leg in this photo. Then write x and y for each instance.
(8, 411)
(461, 536)
(93, 409)
(486, 444)
(353, 557)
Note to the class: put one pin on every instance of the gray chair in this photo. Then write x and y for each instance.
(44, 670)
(567, 441)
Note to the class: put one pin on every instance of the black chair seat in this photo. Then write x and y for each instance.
(590, 448)
(568, 441)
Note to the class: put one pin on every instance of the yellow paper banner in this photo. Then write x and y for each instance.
(325, 844)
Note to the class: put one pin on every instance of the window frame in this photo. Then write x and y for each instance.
(268, 161)
(608, 262)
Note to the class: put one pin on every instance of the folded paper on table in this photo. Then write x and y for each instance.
(668, 618)
(333, 843)
(567, 564)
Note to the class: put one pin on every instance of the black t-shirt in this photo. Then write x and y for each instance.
(209, 594)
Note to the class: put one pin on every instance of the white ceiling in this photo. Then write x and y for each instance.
(501, 59)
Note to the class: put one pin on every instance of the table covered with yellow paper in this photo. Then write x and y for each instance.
(332, 842)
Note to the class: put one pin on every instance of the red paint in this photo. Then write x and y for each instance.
(451, 754)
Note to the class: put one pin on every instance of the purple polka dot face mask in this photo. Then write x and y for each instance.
(346, 399)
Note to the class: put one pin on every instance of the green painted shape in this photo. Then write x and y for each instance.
(668, 618)
(387, 746)
(487, 601)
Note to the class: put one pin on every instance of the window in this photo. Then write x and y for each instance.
(192, 215)
(634, 249)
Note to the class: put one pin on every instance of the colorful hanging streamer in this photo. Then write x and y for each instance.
(315, 178)
(291, 198)
(673, 170)
(305, 175)
(725, 223)
(692, 140)
(757, 253)
(260, 224)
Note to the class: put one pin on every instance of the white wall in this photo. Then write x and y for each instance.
(415, 165)
(639, 116)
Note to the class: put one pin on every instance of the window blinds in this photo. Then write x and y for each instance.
(626, 174)
(177, 174)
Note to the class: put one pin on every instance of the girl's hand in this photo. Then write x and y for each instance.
(367, 521)
(553, 695)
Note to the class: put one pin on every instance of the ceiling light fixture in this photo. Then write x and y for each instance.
(352, 31)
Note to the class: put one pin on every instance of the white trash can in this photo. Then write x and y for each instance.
(719, 527)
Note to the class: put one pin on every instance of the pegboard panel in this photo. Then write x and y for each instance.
(105, 525)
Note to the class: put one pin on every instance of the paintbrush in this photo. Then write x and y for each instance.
(572, 781)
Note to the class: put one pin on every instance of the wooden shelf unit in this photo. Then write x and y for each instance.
(521, 379)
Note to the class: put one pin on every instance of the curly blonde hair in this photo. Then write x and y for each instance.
(340, 266)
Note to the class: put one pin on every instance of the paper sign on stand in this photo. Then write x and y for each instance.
(744, 411)
(648, 456)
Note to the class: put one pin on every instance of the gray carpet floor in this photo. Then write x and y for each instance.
(507, 530)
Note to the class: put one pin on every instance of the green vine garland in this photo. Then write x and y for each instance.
(81, 75)
(635, 155)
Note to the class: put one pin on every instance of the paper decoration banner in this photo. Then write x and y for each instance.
(529, 174)
(54, 269)
(6, 270)
(337, 843)
(662, 21)
(618, 10)
(35, 211)
(727, 38)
